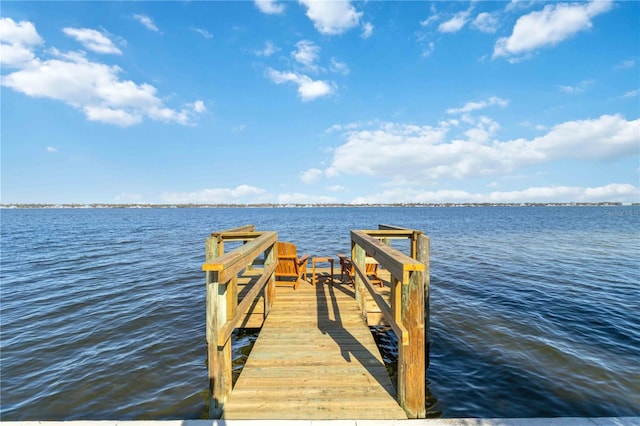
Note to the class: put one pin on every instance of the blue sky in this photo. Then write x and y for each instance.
(320, 102)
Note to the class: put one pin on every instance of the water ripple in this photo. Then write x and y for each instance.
(534, 311)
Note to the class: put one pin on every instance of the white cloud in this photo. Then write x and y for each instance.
(548, 27)
(269, 49)
(93, 88)
(127, 197)
(299, 198)
(351, 126)
(610, 192)
(308, 89)
(239, 194)
(204, 33)
(620, 192)
(147, 22)
(579, 88)
(307, 53)
(419, 153)
(428, 49)
(339, 67)
(456, 23)
(367, 30)
(199, 107)
(17, 41)
(311, 175)
(52, 149)
(485, 22)
(631, 94)
(270, 7)
(23, 32)
(430, 20)
(625, 65)
(119, 117)
(474, 106)
(605, 138)
(520, 4)
(93, 40)
(336, 188)
(332, 17)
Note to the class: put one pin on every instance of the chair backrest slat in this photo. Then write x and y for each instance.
(287, 266)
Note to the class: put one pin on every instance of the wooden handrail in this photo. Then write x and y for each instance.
(389, 233)
(224, 312)
(405, 313)
(227, 329)
(408, 312)
(398, 263)
(237, 235)
(405, 232)
(398, 328)
(228, 265)
(393, 227)
(244, 228)
(241, 233)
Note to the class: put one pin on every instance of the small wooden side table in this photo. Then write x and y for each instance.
(315, 260)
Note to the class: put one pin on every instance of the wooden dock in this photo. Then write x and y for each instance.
(315, 356)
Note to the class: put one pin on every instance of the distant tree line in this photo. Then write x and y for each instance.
(294, 205)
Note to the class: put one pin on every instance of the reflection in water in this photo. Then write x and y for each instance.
(242, 341)
(388, 345)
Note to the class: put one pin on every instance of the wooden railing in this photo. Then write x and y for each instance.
(224, 313)
(407, 313)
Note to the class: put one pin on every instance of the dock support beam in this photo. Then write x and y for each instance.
(412, 357)
(219, 357)
(424, 255)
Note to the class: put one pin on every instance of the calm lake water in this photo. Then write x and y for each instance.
(535, 311)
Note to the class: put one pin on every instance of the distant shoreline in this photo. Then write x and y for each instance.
(301, 205)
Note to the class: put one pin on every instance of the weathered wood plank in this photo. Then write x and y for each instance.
(254, 316)
(383, 307)
(398, 263)
(411, 358)
(315, 358)
(230, 264)
(227, 328)
(218, 357)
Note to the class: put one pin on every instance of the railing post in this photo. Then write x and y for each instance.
(218, 357)
(423, 255)
(411, 358)
(358, 257)
(395, 298)
(270, 289)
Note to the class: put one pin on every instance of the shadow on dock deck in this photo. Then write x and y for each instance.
(315, 358)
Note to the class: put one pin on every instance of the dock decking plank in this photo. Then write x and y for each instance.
(315, 358)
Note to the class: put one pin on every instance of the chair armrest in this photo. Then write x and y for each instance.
(303, 258)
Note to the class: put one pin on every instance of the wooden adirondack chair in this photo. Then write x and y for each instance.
(346, 268)
(290, 268)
